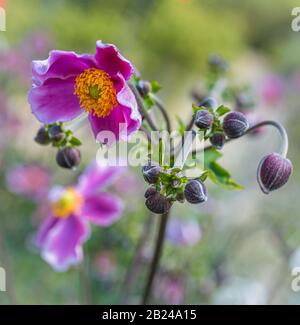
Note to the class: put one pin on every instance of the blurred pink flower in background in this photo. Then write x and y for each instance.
(272, 89)
(105, 264)
(32, 181)
(185, 233)
(254, 118)
(170, 289)
(72, 210)
(16, 60)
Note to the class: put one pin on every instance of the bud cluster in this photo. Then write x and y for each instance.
(207, 119)
(169, 186)
(68, 156)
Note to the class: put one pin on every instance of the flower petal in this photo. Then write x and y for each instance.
(102, 209)
(61, 65)
(44, 229)
(123, 120)
(54, 101)
(111, 61)
(97, 177)
(62, 242)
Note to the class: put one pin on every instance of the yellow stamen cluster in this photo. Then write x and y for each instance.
(68, 203)
(96, 92)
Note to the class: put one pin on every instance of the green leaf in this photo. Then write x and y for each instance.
(155, 86)
(221, 110)
(210, 156)
(181, 125)
(222, 177)
(203, 176)
(149, 102)
(75, 142)
(197, 108)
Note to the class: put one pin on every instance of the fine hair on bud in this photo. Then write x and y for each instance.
(151, 173)
(156, 202)
(195, 192)
(273, 172)
(217, 140)
(68, 157)
(42, 136)
(235, 124)
(203, 119)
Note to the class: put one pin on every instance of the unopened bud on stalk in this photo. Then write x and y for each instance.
(195, 192)
(156, 202)
(203, 119)
(151, 173)
(217, 140)
(209, 102)
(144, 87)
(42, 136)
(56, 133)
(273, 172)
(68, 157)
(235, 124)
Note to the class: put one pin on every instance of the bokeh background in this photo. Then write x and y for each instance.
(239, 247)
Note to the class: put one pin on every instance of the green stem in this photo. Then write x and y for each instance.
(156, 257)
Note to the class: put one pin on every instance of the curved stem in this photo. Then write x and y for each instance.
(156, 257)
(136, 262)
(141, 107)
(163, 111)
(284, 138)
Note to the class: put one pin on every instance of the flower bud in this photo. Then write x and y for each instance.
(217, 63)
(203, 119)
(68, 157)
(195, 192)
(273, 172)
(156, 202)
(42, 136)
(235, 124)
(56, 133)
(209, 102)
(217, 140)
(144, 87)
(151, 173)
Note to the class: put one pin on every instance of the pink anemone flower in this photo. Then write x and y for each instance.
(30, 180)
(63, 233)
(67, 84)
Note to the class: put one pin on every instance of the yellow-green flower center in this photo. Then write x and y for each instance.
(68, 203)
(96, 92)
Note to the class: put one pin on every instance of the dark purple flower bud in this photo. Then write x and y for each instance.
(151, 173)
(217, 140)
(195, 192)
(235, 124)
(203, 119)
(42, 136)
(209, 102)
(56, 133)
(144, 87)
(217, 63)
(68, 157)
(156, 202)
(273, 172)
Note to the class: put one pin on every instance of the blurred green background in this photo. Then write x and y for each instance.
(249, 241)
